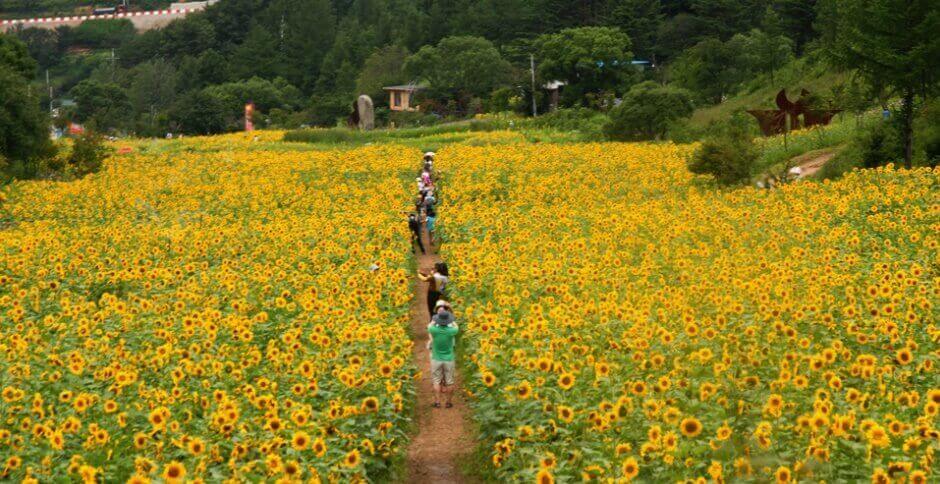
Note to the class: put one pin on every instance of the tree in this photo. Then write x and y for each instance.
(103, 105)
(647, 111)
(460, 67)
(382, 68)
(891, 43)
(43, 45)
(302, 47)
(199, 112)
(152, 88)
(710, 69)
(760, 51)
(796, 20)
(589, 59)
(640, 20)
(24, 128)
(14, 55)
(258, 55)
(209, 68)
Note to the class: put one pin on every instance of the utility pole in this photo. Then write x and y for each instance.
(532, 70)
(113, 58)
(49, 86)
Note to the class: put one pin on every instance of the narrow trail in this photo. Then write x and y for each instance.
(443, 435)
(812, 162)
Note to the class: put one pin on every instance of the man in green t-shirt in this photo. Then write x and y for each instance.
(443, 330)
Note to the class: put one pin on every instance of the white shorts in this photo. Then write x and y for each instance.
(443, 371)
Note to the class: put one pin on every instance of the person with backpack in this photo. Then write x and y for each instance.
(437, 283)
(443, 333)
(414, 225)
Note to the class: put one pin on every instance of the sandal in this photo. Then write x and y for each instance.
(449, 405)
(436, 405)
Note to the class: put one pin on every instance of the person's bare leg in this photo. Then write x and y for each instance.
(437, 395)
(449, 394)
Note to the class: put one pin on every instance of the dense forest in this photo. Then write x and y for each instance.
(304, 61)
(646, 64)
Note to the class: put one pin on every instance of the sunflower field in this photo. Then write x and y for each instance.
(236, 308)
(627, 320)
(210, 310)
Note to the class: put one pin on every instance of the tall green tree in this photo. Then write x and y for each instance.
(302, 48)
(891, 43)
(590, 59)
(460, 67)
(14, 55)
(153, 88)
(104, 105)
(24, 127)
(711, 69)
(641, 21)
(383, 68)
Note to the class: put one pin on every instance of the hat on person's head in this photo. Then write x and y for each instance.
(429, 155)
(441, 302)
(443, 319)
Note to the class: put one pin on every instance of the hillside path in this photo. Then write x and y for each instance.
(443, 435)
(813, 161)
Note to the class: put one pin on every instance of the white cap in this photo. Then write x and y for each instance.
(429, 154)
(441, 302)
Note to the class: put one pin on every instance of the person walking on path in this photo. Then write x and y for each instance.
(430, 216)
(414, 225)
(437, 284)
(443, 332)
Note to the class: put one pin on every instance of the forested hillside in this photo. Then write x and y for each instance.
(303, 61)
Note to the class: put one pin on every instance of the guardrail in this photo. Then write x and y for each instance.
(82, 18)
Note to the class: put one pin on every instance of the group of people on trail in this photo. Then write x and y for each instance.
(442, 327)
(425, 205)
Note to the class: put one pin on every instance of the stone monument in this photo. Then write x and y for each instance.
(366, 113)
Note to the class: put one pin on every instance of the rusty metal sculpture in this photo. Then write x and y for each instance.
(787, 116)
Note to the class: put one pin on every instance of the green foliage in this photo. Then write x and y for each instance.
(729, 154)
(265, 94)
(199, 112)
(463, 67)
(641, 21)
(927, 134)
(100, 34)
(14, 55)
(105, 106)
(647, 110)
(873, 145)
(893, 45)
(589, 59)
(382, 68)
(87, 154)
(24, 127)
(44, 45)
(710, 69)
(209, 68)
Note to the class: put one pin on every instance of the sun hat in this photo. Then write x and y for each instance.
(441, 302)
(430, 154)
(443, 319)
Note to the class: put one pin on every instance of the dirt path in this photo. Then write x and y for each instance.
(811, 162)
(443, 436)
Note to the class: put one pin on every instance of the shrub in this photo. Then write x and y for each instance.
(88, 154)
(927, 135)
(729, 155)
(646, 112)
